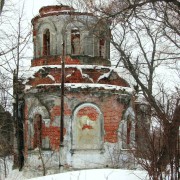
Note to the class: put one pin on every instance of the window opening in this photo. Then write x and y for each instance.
(37, 131)
(75, 41)
(46, 43)
(127, 133)
(101, 47)
(128, 137)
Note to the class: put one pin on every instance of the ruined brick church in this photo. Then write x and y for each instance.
(77, 110)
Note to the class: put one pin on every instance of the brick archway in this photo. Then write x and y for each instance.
(37, 118)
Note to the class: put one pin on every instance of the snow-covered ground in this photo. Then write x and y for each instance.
(6, 164)
(93, 174)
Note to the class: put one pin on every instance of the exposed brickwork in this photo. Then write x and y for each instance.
(67, 110)
(56, 10)
(48, 9)
(95, 74)
(53, 60)
(53, 133)
(45, 80)
(110, 107)
(116, 80)
(74, 75)
(69, 60)
(112, 116)
(95, 111)
(90, 112)
(34, 33)
(26, 130)
(55, 111)
(111, 110)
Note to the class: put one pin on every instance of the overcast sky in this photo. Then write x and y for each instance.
(32, 6)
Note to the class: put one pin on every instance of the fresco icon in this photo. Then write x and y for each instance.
(87, 129)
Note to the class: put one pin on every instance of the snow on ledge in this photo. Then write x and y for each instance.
(91, 85)
(32, 70)
(106, 75)
(51, 77)
(27, 87)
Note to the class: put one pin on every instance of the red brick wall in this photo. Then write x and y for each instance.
(53, 60)
(73, 75)
(107, 101)
(54, 136)
(109, 106)
(26, 129)
(111, 110)
(88, 111)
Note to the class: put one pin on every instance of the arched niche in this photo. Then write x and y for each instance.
(37, 137)
(38, 109)
(87, 128)
(46, 42)
(41, 31)
(38, 120)
(127, 129)
(74, 32)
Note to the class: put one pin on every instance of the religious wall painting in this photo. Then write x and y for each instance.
(87, 129)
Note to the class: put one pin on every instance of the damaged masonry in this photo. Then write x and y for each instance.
(95, 119)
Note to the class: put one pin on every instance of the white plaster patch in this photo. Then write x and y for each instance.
(47, 122)
(38, 110)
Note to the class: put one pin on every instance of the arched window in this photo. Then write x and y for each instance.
(75, 41)
(102, 47)
(46, 43)
(126, 133)
(37, 140)
(127, 129)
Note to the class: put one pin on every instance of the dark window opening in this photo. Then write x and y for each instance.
(101, 47)
(128, 138)
(75, 42)
(46, 43)
(37, 131)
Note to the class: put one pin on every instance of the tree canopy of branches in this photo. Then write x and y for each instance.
(146, 35)
(14, 37)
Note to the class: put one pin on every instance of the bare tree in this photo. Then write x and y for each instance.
(146, 35)
(6, 138)
(15, 38)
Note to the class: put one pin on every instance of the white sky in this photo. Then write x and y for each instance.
(32, 6)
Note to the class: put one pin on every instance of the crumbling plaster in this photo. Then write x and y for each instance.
(95, 98)
(60, 27)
